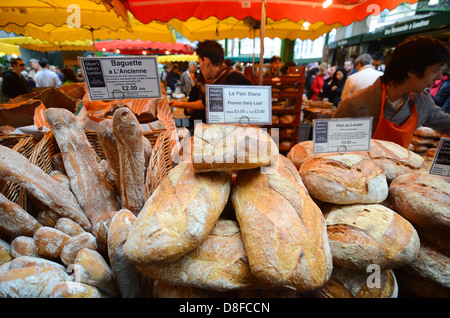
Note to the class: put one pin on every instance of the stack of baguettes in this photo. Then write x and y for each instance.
(406, 233)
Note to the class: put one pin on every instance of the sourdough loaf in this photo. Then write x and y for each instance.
(16, 168)
(231, 147)
(178, 216)
(344, 179)
(81, 165)
(283, 230)
(423, 199)
(300, 152)
(130, 147)
(219, 263)
(365, 234)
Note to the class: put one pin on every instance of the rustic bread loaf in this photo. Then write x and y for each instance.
(16, 168)
(50, 242)
(164, 290)
(178, 216)
(423, 199)
(427, 132)
(344, 179)
(129, 280)
(348, 283)
(81, 165)
(365, 234)
(284, 231)
(69, 227)
(75, 290)
(5, 252)
(231, 147)
(219, 263)
(28, 261)
(300, 152)
(23, 246)
(30, 282)
(14, 220)
(47, 218)
(92, 269)
(130, 147)
(107, 140)
(70, 250)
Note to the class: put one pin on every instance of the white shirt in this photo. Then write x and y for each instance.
(47, 78)
(366, 76)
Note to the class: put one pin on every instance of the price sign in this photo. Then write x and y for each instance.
(441, 161)
(341, 134)
(238, 104)
(111, 78)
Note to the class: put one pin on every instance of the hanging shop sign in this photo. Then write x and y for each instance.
(110, 78)
(239, 104)
(342, 134)
(441, 161)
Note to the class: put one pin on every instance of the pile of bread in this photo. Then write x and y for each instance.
(425, 141)
(233, 218)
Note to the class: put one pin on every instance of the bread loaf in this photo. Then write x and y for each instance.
(178, 216)
(283, 230)
(427, 132)
(14, 220)
(348, 283)
(80, 162)
(107, 140)
(91, 268)
(100, 230)
(364, 234)
(23, 246)
(230, 147)
(16, 168)
(75, 290)
(49, 242)
(69, 227)
(129, 280)
(300, 152)
(219, 263)
(75, 244)
(47, 218)
(30, 282)
(165, 290)
(423, 199)
(29, 261)
(5, 252)
(130, 146)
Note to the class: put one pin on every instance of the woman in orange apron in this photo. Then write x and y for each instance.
(390, 131)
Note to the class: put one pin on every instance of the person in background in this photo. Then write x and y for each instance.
(310, 75)
(45, 77)
(213, 70)
(34, 63)
(68, 77)
(333, 90)
(377, 61)
(397, 101)
(238, 66)
(14, 84)
(440, 91)
(365, 76)
(164, 76)
(228, 62)
(30, 81)
(188, 78)
(274, 67)
(173, 77)
(319, 80)
(328, 79)
(349, 66)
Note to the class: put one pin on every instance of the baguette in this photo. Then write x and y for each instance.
(364, 234)
(49, 242)
(80, 162)
(283, 230)
(29, 261)
(130, 146)
(75, 244)
(75, 290)
(5, 252)
(107, 140)
(16, 168)
(230, 147)
(69, 227)
(178, 216)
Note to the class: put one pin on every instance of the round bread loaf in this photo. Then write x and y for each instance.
(364, 234)
(423, 199)
(349, 283)
(344, 179)
(300, 152)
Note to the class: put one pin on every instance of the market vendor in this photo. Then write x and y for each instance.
(14, 83)
(397, 100)
(213, 70)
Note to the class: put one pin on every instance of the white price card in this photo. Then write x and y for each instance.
(441, 161)
(239, 104)
(110, 78)
(342, 134)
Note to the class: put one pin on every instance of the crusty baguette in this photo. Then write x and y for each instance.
(69, 227)
(218, 264)
(14, 220)
(284, 231)
(5, 252)
(423, 199)
(107, 140)
(231, 147)
(178, 216)
(28, 261)
(88, 180)
(361, 235)
(16, 168)
(344, 179)
(70, 250)
(130, 146)
(50, 242)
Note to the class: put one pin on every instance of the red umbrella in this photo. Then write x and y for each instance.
(138, 46)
